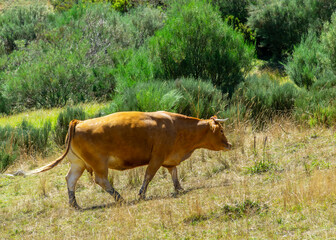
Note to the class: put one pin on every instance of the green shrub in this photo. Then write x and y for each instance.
(55, 77)
(21, 24)
(196, 42)
(281, 24)
(305, 64)
(137, 65)
(186, 96)
(200, 98)
(265, 97)
(63, 120)
(146, 21)
(318, 105)
(33, 139)
(148, 97)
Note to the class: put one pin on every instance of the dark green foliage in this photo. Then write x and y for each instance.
(21, 24)
(63, 120)
(3, 105)
(281, 24)
(236, 8)
(196, 42)
(305, 65)
(264, 97)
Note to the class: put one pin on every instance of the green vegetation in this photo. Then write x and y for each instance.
(196, 42)
(281, 24)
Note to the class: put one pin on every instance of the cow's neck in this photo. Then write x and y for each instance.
(192, 134)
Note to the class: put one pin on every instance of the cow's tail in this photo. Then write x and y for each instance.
(71, 132)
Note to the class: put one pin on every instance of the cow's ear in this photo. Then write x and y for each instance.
(212, 125)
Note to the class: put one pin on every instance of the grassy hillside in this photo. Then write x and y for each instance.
(283, 188)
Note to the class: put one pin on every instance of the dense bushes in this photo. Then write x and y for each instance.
(313, 66)
(196, 42)
(75, 58)
(265, 97)
(21, 24)
(318, 104)
(281, 24)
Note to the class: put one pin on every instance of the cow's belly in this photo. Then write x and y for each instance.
(176, 159)
(122, 164)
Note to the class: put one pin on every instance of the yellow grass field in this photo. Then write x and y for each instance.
(282, 185)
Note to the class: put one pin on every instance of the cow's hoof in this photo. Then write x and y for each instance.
(120, 201)
(142, 197)
(77, 208)
(178, 192)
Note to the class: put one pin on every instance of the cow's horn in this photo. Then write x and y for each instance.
(221, 120)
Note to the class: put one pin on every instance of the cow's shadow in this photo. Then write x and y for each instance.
(150, 198)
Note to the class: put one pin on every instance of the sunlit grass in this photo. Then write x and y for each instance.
(39, 117)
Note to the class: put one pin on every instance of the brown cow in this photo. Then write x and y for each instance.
(126, 140)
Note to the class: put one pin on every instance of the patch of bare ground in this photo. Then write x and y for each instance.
(279, 183)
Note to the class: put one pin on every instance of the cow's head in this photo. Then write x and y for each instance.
(217, 140)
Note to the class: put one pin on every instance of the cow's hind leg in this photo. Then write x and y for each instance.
(101, 180)
(72, 177)
(152, 168)
(177, 185)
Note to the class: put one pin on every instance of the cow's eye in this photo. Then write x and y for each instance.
(222, 132)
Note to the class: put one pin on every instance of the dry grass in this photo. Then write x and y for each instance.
(225, 199)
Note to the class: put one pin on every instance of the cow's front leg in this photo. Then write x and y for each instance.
(152, 168)
(176, 182)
